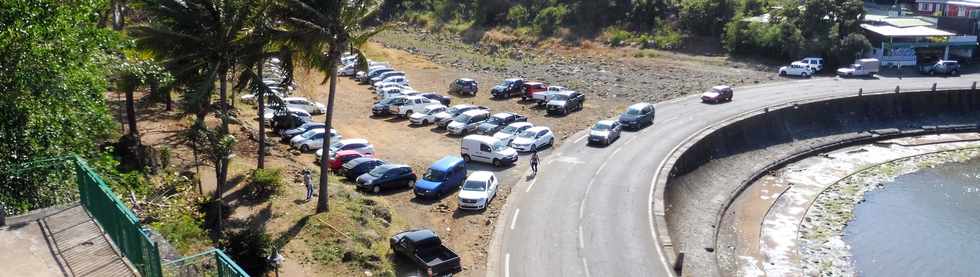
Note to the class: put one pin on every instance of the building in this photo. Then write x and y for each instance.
(957, 8)
(909, 40)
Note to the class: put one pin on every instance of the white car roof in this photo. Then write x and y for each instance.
(520, 124)
(480, 176)
(721, 87)
(799, 64)
(482, 138)
(294, 98)
(502, 115)
(475, 112)
(434, 106)
(538, 129)
(353, 141)
(606, 122)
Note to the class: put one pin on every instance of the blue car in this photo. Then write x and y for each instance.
(443, 177)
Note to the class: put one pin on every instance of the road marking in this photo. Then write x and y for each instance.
(581, 204)
(581, 238)
(531, 185)
(585, 264)
(513, 221)
(580, 139)
(507, 265)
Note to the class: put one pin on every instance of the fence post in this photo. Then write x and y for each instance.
(897, 89)
(860, 91)
(974, 85)
(933, 87)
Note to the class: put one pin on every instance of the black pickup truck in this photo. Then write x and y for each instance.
(425, 248)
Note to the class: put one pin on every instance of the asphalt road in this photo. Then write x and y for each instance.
(587, 213)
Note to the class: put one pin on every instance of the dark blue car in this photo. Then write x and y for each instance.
(387, 176)
(360, 166)
(443, 177)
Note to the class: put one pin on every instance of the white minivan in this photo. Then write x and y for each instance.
(488, 150)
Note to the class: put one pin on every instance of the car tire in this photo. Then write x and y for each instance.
(805, 75)
(376, 189)
(304, 148)
(425, 122)
(411, 183)
(782, 73)
(497, 163)
(466, 158)
(408, 114)
(954, 73)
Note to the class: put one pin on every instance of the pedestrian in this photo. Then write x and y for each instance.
(308, 181)
(534, 162)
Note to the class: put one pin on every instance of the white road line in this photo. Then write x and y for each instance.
(580, 139)
(581, 204)
(513, 220)
(585, 264)
(531, 185)
(507, 265)
(581, 238)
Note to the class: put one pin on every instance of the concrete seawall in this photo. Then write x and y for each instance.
(714, 167)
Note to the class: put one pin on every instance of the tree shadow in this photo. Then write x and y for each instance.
(291, 233)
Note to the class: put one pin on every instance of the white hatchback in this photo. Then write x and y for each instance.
(510, 132)
(427, 115)
(533, 139)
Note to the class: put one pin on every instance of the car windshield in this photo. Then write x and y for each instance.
(560, 97)
(507, 83)
(309, 134)
(510, 130)
(378, 171)
(633, 112)
(528, 134)
(475, 185)
(463, 118)
(434, 175)
(499, 145)
(601, 127)
(494, 120)
(433, 111)
(335, 146)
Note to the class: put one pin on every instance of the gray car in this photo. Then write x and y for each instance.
(638, 115)
(605, 132)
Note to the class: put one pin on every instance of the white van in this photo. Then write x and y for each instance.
(488, 150)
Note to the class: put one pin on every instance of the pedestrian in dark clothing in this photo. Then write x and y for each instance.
(308, 181)
(534, 163)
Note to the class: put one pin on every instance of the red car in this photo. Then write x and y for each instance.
(531, 87)
(342, 157)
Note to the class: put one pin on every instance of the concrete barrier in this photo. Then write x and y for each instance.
(908, 112)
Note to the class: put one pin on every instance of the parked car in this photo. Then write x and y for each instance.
(499, 121)
(718, 94)
(387, 75)
(425, 249)
(289, 121)
(271, 113)
(358, 145)
(405, 106)
(444, 176)
(816, 64)
(542, 97)
(862, 67)
(637, 115)
(347, 70)
(366, 78)
(337, 162)
(443, 99)
(361, 75)
(312, 140)
(565, 101)
(464, 86)
(486, 149)
(378, 89)
(947, 67)
(426, 115)
(306, 105)
(382, 106)
(401, 80)
(356, 167)
(444, 118)
(467, 122)
(387, 176)
(508, 88)
(478, 190)
(605, 132)
(507, 134)
(290, 133)
(533, 139)
(532, 87)
(393, 92)
(796, 69)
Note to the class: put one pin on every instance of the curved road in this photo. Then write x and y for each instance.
(588, 212)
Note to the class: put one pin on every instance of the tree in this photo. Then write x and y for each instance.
(200, 41)
(319, 31)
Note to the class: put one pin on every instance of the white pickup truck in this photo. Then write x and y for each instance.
(404, 107)
(543, 97)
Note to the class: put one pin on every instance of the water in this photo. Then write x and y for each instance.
(923, 224)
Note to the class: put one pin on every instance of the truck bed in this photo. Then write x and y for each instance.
(439, 259)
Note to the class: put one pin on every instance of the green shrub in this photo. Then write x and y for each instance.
(183, 231)
(616, 36)
(518, 15)
(249, 248)
(667, 37)
(550, 19)
(266, 183)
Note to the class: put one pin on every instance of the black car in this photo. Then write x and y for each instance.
(509, 88)
(382, 106)
(499, 121)
(565, 101)
(387, 176)
(444, 100)
(425, 249)
(637, 115)
(287, 121)
(464, 86)
(359, 166)
(376, 73)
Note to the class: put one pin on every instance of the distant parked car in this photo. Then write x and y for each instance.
(382, 106)
(947, 67)
(426, 115)
(542, 97)
(486, 149)
(356, 167)
(425, 249)
(508, 88)
(862, 67)
(289, 121)
(443, 99)
(814, 63)
(478, 190)
(358, 145)
(401, 80)
(347, 70)
(271, 113)
(507, 134)
(499, 121)
(366, 78)
(311, 107)
(387, 176)
(444, 176)
(378, 89)
(563, 102)
(312, 140)
(387, 75)
(467, 122)
(361, 75)
(605, 132)
(532, 87)
(337, 162)
(444, 118)
(533, 139)
(464, 86)
(290, 133)
(796, 69)
(406, 106)
(393, 92)
(718, 94)
(637, 115)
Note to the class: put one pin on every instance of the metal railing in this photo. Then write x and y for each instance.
(213, 262)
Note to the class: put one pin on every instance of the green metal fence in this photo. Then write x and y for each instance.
(213, 262)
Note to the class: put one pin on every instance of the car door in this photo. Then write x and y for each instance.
(316, 140)
(492, 188)
(484, 153)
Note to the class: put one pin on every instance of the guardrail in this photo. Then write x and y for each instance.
(213, 262)
(666, 172)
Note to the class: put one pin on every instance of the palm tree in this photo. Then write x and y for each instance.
(319, 31)
(200, 42)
